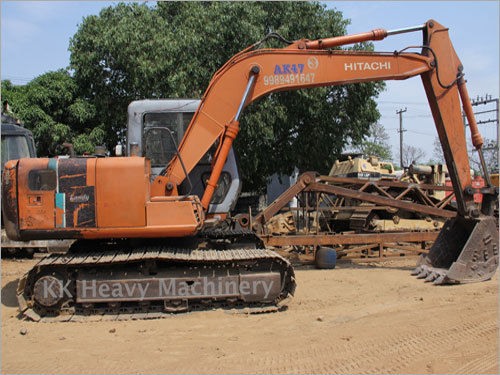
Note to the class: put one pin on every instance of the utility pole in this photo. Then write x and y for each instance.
(400, 113)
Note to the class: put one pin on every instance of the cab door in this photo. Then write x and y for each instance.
(36, 193)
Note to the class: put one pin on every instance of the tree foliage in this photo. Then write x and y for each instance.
(490, 153)
(376, 143)
(50, 107)
(437, 152)
(412, 155)
(171, 50)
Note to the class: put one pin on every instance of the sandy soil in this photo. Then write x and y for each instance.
(354, 319)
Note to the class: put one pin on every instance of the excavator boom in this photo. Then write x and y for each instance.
(280, 70)
(254, 73)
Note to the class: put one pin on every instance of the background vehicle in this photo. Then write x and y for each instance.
(17, 142)
(365, 216)
(101, 201)
(359, 166)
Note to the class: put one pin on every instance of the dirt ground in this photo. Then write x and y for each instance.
(357, 318)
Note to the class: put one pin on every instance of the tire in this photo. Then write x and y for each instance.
(325, 258)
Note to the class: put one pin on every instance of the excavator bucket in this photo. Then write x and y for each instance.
(465, 251)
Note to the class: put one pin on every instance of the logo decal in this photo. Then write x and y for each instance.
(288, 69)
(312, 63)
(359, 66)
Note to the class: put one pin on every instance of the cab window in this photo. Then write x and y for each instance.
(42, 179)
(222, 188)
(14, 147)
(158, 145)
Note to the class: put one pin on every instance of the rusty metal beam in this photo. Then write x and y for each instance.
(304, 180)
(347, 239)
(354, 194)
(396, 184)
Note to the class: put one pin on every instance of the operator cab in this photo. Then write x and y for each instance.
(155, 130)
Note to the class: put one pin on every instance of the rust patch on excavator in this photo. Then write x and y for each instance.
(10, 212)
(79, 198)
(9, 196)
(50, 234)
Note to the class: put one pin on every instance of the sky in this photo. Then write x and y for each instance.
(35, 38)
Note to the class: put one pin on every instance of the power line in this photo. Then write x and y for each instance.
(401, 130)
(420, 133)
(484, 101)
(419, 116)
(413, 103)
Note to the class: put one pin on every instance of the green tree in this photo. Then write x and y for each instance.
(50, 107)
(172, 49)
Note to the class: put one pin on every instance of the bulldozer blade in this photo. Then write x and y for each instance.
(465, 251)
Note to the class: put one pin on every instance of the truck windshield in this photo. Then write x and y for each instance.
(14, 147)
(158, 144)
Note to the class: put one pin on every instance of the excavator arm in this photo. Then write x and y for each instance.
(467, 247)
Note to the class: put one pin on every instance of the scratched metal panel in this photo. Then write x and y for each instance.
(79, 198)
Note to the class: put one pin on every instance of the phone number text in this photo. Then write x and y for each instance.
(288, 79)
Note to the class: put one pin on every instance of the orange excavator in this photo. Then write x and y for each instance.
(145, 250)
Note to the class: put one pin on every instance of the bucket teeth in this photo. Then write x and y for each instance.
(431, 277)
(416, 271)
(440, 280)
(423, 273)
(430, 274)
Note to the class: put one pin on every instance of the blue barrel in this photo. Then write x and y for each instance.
(325, 258)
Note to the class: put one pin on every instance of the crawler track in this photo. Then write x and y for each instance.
(73, 279)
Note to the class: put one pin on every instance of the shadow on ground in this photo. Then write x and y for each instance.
(9, 298)
(384, 263)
